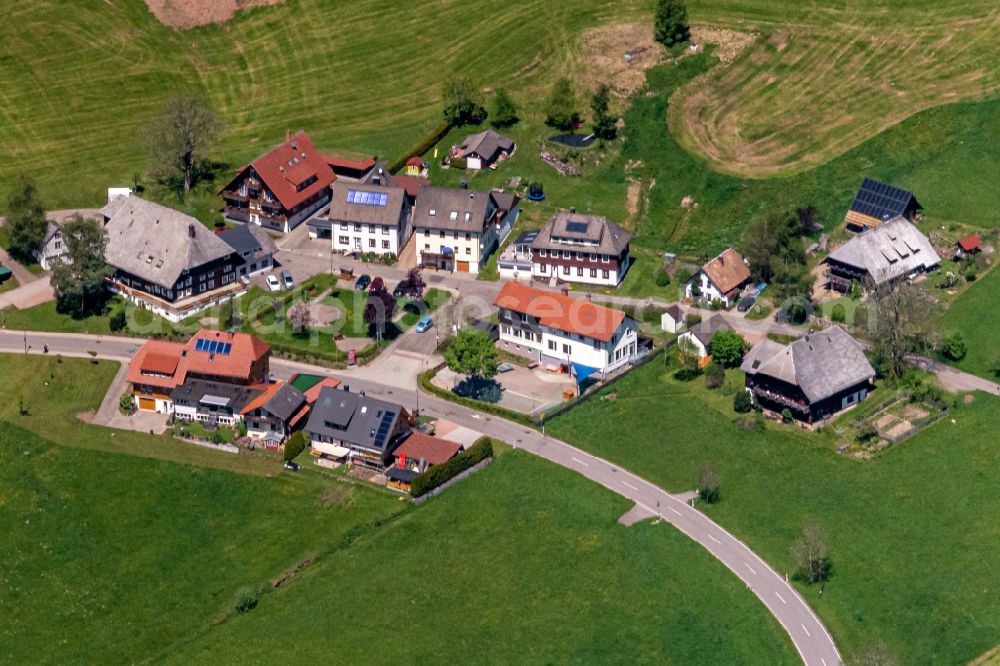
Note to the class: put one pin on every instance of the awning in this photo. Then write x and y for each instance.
(215, 400)
(330, 450)
(582, 372)
(447, 250)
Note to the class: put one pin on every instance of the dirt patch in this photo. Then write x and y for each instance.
(87, 416)
(632, 197)
(335, 495)
(324, 315)
(184, 14)
(278, 582)
(619, 55)
(729, 44)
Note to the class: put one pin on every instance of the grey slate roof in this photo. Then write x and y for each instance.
(706, 328)
(157, 243)
(506, 200)
(341, 210)
(50, 232)
(487, 144)
(353, 418)
(471, 209)
(249, 239)
(113, 206)
(285, 402)
(193, 391)
(821, 364)
(601, 235)
(889, 251)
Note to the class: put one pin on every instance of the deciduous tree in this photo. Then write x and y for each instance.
(670, 23)
(176, 139)
(727, 348)
(462, 104)
(877, 654)
(604, 122)
(472, 353)
(26, 223)
(504, 110)
(379, 310)
(413, 283)
(78, 279)
(301, 317)
(899, 321)
(295, 445)
(811, 554)
(560, 107)
(708, 483)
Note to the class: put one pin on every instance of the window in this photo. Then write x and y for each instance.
(565, 270)
(453, 215)
(542, 268)
(468, 216)
(427, 232)
(468, 250)
(579, 255)
(605, 258)
(468, 236)
(593, 256)
(442, 233)
(541, 253)
(343, 225)
(565, 254)
(593, 272)
(58, 244)
(427, 246)
(385, 245)
(552, 345)
(579, 272)
(565, 348)
(225, 279)
(357, 226)
(454, 235)
(343, 240)
(228, 268)
(385, 230)
(432, 212)
(371, 242)
(606, 274)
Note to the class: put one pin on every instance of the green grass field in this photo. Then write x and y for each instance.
(566, 583)
(822, 78)
(147, 568)
(909, 531)
(970, 315)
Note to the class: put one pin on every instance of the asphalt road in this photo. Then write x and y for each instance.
(810, 637)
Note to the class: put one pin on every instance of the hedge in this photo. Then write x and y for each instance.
(425, 144)
(433, 477)
(425, 383)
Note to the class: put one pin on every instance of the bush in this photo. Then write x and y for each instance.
(662, 278)
(865, 430)
(715, 375)
(838, 314)
(995, 365)
(426, 143)
(796, 313)
(692, 319)
(683, 275)
(126, 405)
(742, 402)
(786, 415)
(970, 275)
(752, 422)
(295, 445)
(246, 600)
(954, 347)
(459, 163)
(117, 321)
(433, 477)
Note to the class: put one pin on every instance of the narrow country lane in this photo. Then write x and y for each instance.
(810, 637)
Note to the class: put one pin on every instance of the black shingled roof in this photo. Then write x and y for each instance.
(882, 201)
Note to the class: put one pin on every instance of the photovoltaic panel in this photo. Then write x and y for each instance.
(576, 227)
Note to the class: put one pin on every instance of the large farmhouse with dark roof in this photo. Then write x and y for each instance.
(589, 249)
(877, 203)
(815, 376)
(881, 257)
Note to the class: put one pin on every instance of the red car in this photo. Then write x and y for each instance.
(378, 284)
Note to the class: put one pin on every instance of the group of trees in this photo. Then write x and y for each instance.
(379, 311)
(26, 223)
(670, 24)
(775, 251)
(463, 104)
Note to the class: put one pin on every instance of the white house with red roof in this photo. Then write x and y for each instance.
(284, 186)
(159, 367)
(721, 279)
(559, 330)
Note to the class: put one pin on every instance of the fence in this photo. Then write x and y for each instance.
(453, 480)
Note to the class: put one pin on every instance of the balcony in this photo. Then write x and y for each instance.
(234, 195)
(236, 214)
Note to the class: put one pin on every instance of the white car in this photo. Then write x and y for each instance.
(273, 284)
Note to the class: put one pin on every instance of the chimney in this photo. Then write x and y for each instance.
(191, 230)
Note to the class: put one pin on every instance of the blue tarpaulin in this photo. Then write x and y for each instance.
(446, 250)
(582, 372)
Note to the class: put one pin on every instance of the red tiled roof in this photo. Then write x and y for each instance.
(970, 243)
(336, 162)
(283, 167)
(419, 446)
(312, 394)
(159, 358)
(246, 350)
(412, 184)
(415, 161)
(727, 271)
(571, 315)
(262, 399)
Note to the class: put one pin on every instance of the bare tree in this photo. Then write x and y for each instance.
(708, 483)
(176, 139)
(301, 317)
(810, 552)
(901, 320)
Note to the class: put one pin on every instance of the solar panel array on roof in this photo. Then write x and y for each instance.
(367, 198)
(383, 429)
(213, 347)
(881, 201)
(577, 227)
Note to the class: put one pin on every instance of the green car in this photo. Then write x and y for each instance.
(505, 367)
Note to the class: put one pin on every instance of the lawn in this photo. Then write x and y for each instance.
(565, 583)
(969, 314)
(434, 298)
(909, 531)
(822, 78)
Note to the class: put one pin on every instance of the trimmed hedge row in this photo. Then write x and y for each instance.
(490, 408)
(433, 477)
(425, 144)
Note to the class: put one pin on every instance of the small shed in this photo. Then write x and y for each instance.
(971, 244)
(672, 319)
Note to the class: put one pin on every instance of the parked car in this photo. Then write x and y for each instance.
(425, 323)
(398, 291)
(291, 466)
(746, 304)
(287, 279)
(363, 282)
(273, 284)
(378, 284)
(505, 367)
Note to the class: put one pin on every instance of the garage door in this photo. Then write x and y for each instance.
(462, 267)
(148, 404)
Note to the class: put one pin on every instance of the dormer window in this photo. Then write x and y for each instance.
(432, 212)
(453, 216)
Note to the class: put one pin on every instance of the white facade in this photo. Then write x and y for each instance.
(709, 291)
(54, 247)
(161, 405)
(689, 336)
(470, 249)
(178, 311)
(474, 163)
(364, 237)
(597, 271)
(669, 324)
(563, 347)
